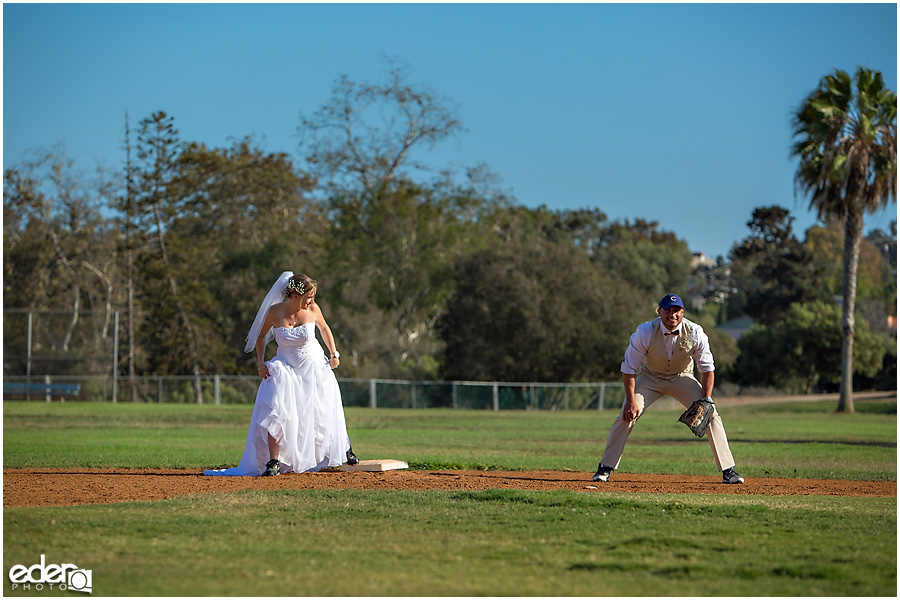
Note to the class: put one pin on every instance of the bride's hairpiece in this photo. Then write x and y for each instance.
(299, 284)
(295, 286)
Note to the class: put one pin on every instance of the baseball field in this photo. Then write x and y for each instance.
(493, 504)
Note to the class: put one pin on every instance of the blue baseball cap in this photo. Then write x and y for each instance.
(671, 300)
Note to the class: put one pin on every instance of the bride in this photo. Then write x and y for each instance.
(298, 422)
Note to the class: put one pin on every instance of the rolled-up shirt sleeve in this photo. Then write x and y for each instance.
(637, 350)
(702, 354)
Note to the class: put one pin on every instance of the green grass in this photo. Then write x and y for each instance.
(465, 543)
(794, 440)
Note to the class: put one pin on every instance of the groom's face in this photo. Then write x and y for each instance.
(671, 317)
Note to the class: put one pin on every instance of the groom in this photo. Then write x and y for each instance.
(660, 361)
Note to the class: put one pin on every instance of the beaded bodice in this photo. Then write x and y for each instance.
(296, 344)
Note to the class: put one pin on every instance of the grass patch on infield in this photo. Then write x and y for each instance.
(467, 543)
(796, 439)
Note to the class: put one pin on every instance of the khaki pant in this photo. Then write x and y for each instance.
(685, 389)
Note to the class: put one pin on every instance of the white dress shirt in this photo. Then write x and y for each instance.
(640, 343)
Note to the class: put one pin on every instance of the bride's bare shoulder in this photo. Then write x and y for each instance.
(314, 308)
(276, 311)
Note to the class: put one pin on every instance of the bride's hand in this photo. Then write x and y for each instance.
(263, 372)
(333, 362)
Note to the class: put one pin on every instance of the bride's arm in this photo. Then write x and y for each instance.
(261, 344)
(327, 336)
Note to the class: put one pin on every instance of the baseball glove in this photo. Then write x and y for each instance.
(697, 416)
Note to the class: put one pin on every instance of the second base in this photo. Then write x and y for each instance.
(376, 465)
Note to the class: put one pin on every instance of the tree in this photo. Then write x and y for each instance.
(389, 273)
(58, 254)
(800, 351)
(365, 134)
(534, 310)
(886, 243)
(655, 262)
(873, 278)
(846, 134)
(393, 237)
(124, 203)
(245, 212)
(167, 264)
(771, 269)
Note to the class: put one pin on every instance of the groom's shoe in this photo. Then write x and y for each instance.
(351, 458)
(602, 473)
(271, 468)
(731, 476)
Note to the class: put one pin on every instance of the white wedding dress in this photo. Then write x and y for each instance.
(299, 405)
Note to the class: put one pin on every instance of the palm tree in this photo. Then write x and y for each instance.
(846, 136)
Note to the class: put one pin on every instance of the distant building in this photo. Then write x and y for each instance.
(701, 260)
(710, 281)
(736, 327)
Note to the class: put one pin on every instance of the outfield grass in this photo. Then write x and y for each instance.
(494, 542)
(806, 440)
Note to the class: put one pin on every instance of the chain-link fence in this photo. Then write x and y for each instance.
(59, 341)
(70, 345)
(373, 393)
(495, 395)
(73, 355)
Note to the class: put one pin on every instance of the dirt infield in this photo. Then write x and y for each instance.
(68, 487)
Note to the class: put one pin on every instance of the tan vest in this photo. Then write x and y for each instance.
(657, 365)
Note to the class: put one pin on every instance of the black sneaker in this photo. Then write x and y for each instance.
(271, 468)
(602, 473)
(351, 458)
(731, 476)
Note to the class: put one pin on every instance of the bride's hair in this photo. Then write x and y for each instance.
(299, 284)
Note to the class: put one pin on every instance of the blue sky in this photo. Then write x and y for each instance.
(670, 112)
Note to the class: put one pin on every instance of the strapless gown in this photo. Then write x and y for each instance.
(299, 405)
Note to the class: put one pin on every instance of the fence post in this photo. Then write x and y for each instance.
(602, 394)
(160, 388)
(454, 394)
(373, 396)
(412, 392)
(115, 372)
(216, 388)
(28, 361)
(496, 391)
(47, 397)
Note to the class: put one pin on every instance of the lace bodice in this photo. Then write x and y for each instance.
(296, 344)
